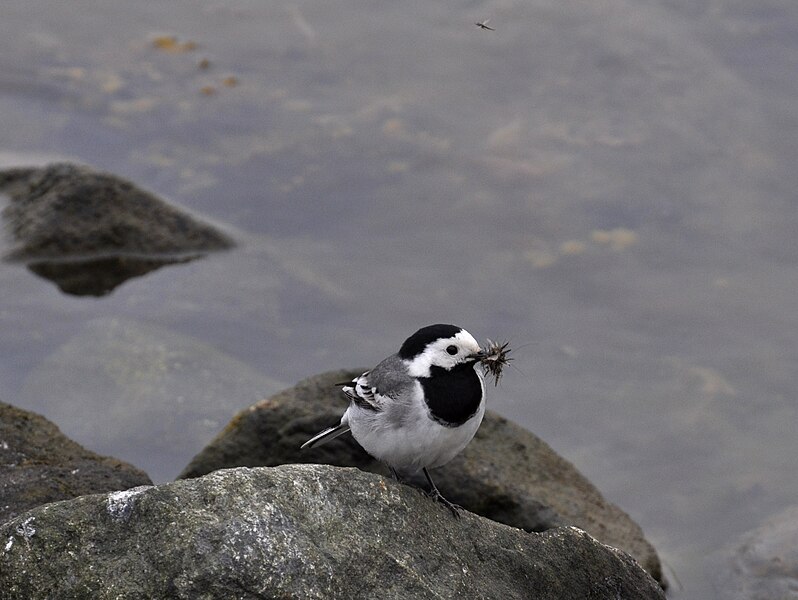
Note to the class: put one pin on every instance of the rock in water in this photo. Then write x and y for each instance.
(88, 231)
(298, 531)
(39, 464)
(158, 393)
(506, 473)
(763, 563)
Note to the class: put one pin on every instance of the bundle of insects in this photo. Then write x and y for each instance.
(496, 359)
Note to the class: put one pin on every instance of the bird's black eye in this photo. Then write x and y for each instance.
(452, 350)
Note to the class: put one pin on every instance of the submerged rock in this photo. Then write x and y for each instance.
(506, 473)
(39, 464)
(155, 391)
(763, 563)
(297, 531)
(88, 231)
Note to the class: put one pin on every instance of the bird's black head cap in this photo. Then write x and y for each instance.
(415, 344)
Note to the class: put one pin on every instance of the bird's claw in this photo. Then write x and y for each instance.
(454, 508)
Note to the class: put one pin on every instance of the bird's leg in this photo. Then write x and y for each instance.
(436, 495)
(395, 475)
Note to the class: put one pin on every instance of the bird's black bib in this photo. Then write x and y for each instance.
(452, 396)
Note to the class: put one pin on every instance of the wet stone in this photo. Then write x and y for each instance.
(39, 464)
(298, 531)
(88, 231)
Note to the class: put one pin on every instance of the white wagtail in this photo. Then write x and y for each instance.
(418, 408)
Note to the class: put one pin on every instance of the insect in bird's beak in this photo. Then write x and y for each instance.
(494, 358)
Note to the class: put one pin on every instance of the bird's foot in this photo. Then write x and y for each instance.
(454, 508)
(437, 496)
(396, 476)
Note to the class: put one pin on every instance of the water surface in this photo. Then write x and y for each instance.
(608, 185)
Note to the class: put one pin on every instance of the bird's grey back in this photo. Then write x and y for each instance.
(390, 377)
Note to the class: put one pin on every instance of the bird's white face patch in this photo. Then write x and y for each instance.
(445, 353)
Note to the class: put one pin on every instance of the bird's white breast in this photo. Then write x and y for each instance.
(405, 437)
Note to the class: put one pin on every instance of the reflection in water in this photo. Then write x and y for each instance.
(98, 277)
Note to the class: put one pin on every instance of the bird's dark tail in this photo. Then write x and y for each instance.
(325, 436)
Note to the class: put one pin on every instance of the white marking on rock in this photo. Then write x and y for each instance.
(120, 504)
(25, 529)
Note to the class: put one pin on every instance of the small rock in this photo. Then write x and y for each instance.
(506, 473)
(88, 231)
(299, 531)
(763, 564)
(39, 464)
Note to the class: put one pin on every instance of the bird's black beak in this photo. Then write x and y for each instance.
(481, 355)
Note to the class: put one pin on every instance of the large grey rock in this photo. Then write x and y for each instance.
(763, 563)
(506, 474)
(88, 231)
(298, 531)
(39, 464)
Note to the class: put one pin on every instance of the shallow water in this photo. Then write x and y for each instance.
(608, 185)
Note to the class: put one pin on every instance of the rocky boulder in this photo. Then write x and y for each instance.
(39, 464)
(506, 474)
(88, 231)
(298, 531)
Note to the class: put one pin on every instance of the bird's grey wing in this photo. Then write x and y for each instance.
(363, 394)
(381, 386)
